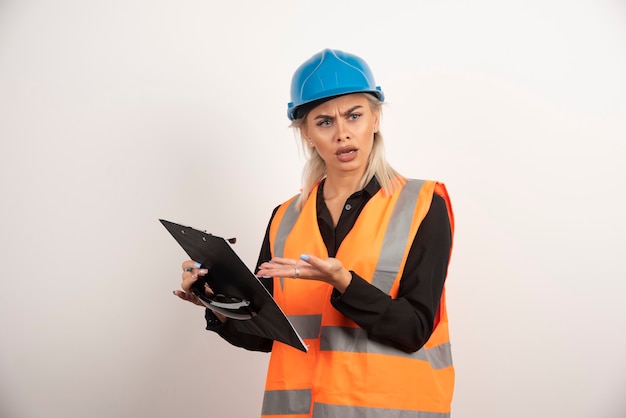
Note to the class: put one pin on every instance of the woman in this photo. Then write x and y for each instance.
(357, 261)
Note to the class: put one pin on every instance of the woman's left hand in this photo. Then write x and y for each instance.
(308, 267)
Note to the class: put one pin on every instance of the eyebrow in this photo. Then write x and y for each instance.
(346, 113)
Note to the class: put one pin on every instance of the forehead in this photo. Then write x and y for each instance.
(341, 104)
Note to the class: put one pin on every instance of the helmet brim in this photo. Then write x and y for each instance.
(298, 112)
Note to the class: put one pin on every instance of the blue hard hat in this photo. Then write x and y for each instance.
(328, 74)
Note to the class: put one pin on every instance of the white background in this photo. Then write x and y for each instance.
(116, 113)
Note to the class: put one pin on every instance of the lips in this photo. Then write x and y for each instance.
(345, 150)
(346, 154)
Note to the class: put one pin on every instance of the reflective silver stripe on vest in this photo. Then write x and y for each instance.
(285, 402)
(397, 236)
(354, 340)
(286, 225)
(308, 326)
(343, 411)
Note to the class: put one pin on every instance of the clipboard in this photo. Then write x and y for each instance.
(239, 294)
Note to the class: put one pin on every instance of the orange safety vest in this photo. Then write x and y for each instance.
(345, 374)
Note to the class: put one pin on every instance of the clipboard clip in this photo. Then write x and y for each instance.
(232, 240)
(230, 307)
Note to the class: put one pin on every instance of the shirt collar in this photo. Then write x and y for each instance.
(368, 191)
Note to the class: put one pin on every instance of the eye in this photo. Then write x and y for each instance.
(324, 122)
(354, 116)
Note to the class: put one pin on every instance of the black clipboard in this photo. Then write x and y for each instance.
(239, 294)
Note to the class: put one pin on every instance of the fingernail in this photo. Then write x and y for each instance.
(174, 293)
(197, 265)
(304, 257)
(203, 271)
(266, 277)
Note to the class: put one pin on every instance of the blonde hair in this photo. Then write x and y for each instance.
(315, 167)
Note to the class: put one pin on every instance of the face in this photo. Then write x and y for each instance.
(342, 131)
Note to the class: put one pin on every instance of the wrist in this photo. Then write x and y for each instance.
(342, 283)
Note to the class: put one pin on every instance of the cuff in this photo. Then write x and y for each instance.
(351, 291)
(212, 321)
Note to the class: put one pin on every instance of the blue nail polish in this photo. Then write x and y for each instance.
(304, 257)
(197, 265)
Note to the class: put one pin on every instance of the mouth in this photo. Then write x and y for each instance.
(346, 154)
(345, 151)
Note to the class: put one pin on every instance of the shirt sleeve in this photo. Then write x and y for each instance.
(407, 321)
(225, 330)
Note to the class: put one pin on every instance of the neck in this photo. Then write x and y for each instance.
(341, 187)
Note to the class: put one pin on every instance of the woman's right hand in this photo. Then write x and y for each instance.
(191, 272)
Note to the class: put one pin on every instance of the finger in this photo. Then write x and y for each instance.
(189, 265)
(264, 272)
(182, 295)
(274, 271)
(266, 269)
(188, 297)
(311, 260)
(190, 275)
(187, 283)
(266, 265)
(207, 290)
(270, 268)
(189, 279)
(283, 261)
(194, 274)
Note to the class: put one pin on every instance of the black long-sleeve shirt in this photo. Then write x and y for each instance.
(405, 322)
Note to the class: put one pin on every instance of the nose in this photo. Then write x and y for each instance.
(343, 132)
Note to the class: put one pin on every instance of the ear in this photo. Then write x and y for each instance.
(376, 123)
(305, 135)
